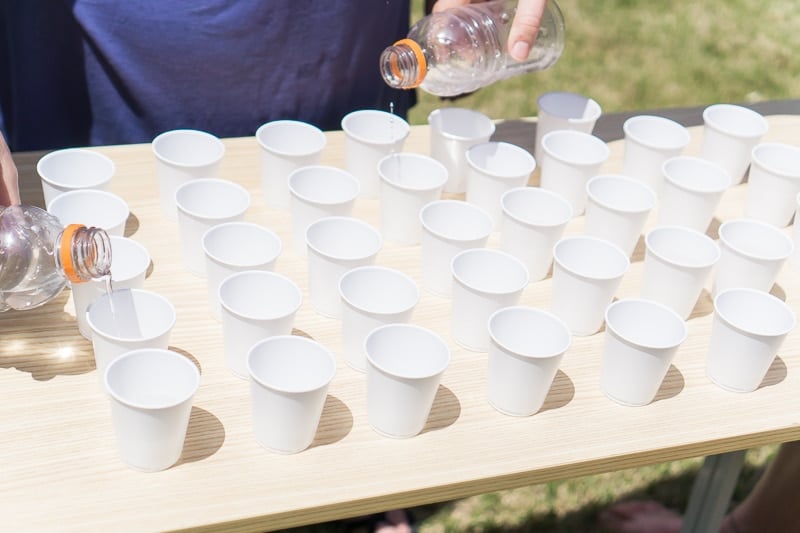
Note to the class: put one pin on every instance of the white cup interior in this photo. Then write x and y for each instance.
(152, 378)
(75, 167)
(290, 138)
(621, 193)
(536, 206)
(575, 147)
(456, 220)
(781, 159)
(755, 239)
(289, 363)
(407, 351)
(500, 159)
(461, 124)
(323, 185)
(128, 259)
(372, 126)
(212, 198)
(241, 244)
(188, 148)
(489, 271)
(378, 290)
(343, 238)
(735, 120)
(656, 132)
(682, 246)
(529, 332)
(259, 295)
(590, 257)
(568, 105)
(696, 174)
(412, 171)
(90, 207)
(131, 314)
(754, 312)
(645, 323)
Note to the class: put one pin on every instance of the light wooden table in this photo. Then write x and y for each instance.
(59, 464)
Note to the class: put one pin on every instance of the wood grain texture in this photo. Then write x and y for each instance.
(60, 469)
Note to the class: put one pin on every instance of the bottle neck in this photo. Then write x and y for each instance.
(403, 65)
(83, 253)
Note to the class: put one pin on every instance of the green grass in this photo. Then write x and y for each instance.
(630, 55)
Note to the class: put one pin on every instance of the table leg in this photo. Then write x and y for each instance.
(712, 491)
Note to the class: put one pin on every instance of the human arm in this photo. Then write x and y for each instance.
(523, 29)
(9, 181)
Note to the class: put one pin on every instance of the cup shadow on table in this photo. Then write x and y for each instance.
(335, 423)
(776, 373)
(131, 225)
(204, 436)
(561, 392)
(672, 385)
(444, 412)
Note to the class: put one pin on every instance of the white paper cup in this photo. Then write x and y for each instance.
(236, 247)
(691, 191)
(151, 393)
(286, 145)
(128, 319)
(181, 156)
(371, 135)
(452, 131)
(494, 168)
(408, 182)
(649, 141)
(203, 204)
(587, 272)
(91, 207)
(405, 364)
(256, 305)
(617, 209)
(562, 110)
(317, 192)
(752, 255)
(569, 160)
(534, 219)
(729, 134)
(642, 338)
(336, 245)
(73, 169)
(795, 259)
(289, 379)
(129, 263)
(748, 329)
(773, 183)
(484, 281)
(677, 264)
(526, 349)
(372, 296)
(449, 227)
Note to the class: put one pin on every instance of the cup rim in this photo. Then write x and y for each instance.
(625, 179)
(138, 352)
(554, 196)
(610, 326)
(410, 327)
(491, 126)
(676, 126)
(245, 194)
(526, 159)
(603, 242)
(116, 338)
(243, 224)
(318, 134)
(349, 177)
(485, 218)
(763, 225)
(780, 304)
(709, 120)
(782, 172)
(321, 348)
(492, 252)
(45, 159)
(691, 231)
(212, 159)
(313, 247)
(262, 274)
(66, 195)
(588, 137)
(377, 268)
(400, 122)
(590, 102)
(556, 322)
(723, 186)
(442, 175)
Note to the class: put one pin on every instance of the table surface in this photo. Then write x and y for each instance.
(60, 468)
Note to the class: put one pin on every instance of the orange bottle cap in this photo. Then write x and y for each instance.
(65, 253)
(421, 62)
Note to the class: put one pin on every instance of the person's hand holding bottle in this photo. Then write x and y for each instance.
(523, 28)
(9, 184)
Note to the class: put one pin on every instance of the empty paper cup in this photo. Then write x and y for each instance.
(128, 319)
(405, 364)
(286, 145)
(748, 329)
(773, 183)
(371, 135)
(484, 281)
(408, 182)
(534, 219)
(752, 255)
(73, 169)
(236, 247)
(691, 192)
(151, 392)
(569, 160)
(677, 263)
(526, 349)
(90, 207)
(564, 111)
(317, 192)
(203, 204)
(494, 168)
(255, 305)
(336, 245)
(617, 209)
(453, 130)
(183, 155)
(729, 134)
(649, 141)
(129, 263)
(587, 272)
(642, 338)
(289, 379)
(449, 227)
(372, 296)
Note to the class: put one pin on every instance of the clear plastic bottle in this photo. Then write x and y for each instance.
(462, 49)
(38, 256)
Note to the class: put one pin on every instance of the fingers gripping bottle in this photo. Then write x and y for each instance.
(38, 256)
(462, 49)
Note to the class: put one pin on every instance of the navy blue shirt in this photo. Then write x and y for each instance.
(95, 72)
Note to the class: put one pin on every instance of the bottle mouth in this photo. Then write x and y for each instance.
(84, 253)
(403, 65)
